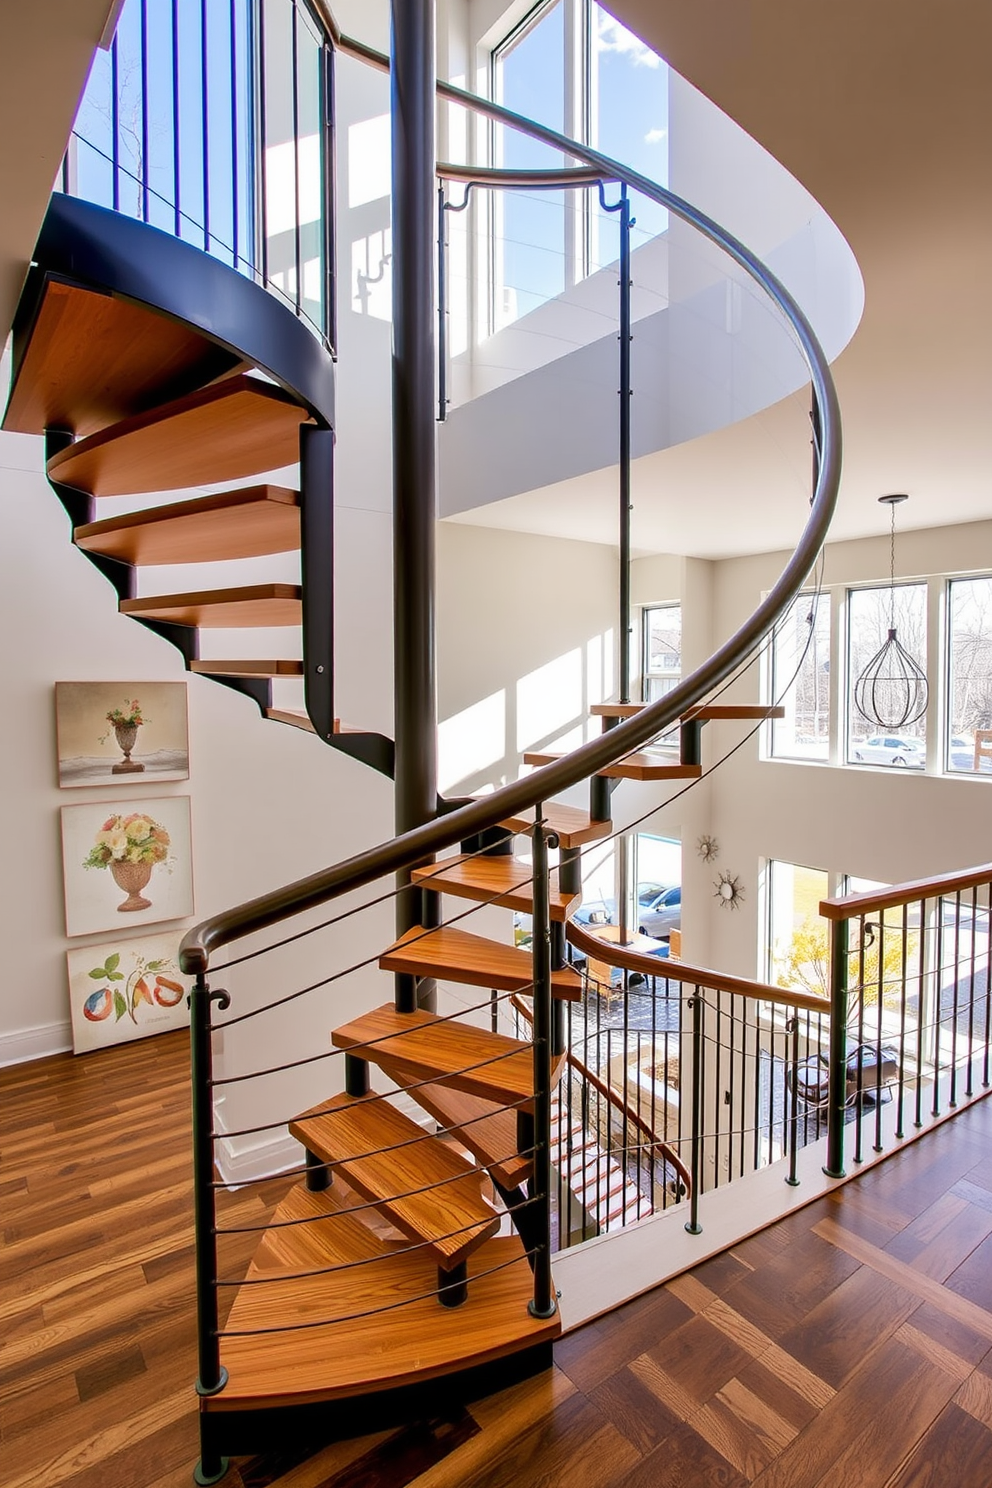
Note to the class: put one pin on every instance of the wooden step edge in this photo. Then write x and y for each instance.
(293, 716)
(708, 711)
(449, 1217)
(250, 522)
(635, 766)
(487, 1130)
(478, 878)
(367, 1350)
(472, 960)
(247, 668)
(573, 826)
(163, 413)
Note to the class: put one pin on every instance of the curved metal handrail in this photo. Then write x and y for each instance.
(422, 842)
(628, 958)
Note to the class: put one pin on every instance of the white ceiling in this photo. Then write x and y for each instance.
(883, 110)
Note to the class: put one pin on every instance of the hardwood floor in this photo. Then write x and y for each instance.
(851, 1344)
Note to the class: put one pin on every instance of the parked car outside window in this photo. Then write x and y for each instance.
(891, 749)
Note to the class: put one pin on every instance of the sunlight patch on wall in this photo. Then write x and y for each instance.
(280, 185)
(369, 160)
(469, 741)
(549, 698)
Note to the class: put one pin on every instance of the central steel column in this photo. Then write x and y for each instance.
(412, 80)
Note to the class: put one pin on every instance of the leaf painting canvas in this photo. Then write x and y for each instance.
(121, 733)
(126, 863)
(120, 990)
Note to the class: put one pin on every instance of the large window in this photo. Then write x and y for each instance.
(944, 626)
(801, 680)
(969, 683)
(798, 942)
(662, 650)
(569, 64)
(871, 615)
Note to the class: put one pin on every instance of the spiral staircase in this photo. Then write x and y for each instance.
(149, 367)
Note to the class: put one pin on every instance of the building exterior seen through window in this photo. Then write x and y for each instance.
(946, 626)
(661, 643)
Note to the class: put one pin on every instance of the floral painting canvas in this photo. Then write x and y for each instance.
(117, 733)
(124, 989)
(126, 863)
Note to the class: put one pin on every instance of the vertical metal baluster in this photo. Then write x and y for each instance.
(939, 1005)
(716, 1090)
(952, 1102)
(837, 1098)
(970, 1084)
(696, 1003)
(145, 165)
(542, 1304)
(211, 1376)
(115, 124)
(235, 174)
(792, 1027)
(988, 983)
(878, 1043)
(625, 1086)
(900, 1130)
(859, 1062)
(756, 1103)
(920, 1005)
(442, 310)
(297, 231)
(261, 157)
(329, 176)
(176, 151)
(205, 125)
(742, 1144)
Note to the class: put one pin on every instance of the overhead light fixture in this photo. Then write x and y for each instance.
(892, 690)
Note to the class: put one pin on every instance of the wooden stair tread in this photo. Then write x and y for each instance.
(230, 430)
(385, 1349)
(247, 668)
(573, 826)
(702, 712)
(490, 1136)
(312, 1232)
(708, 711)
(248, 523)
(637, 766)
(426, 1047)
(91, 359)
(295, 717)
(458, 956)
(483, 878)
(254, 605)
(347, 1131)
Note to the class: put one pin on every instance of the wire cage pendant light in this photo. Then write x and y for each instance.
(892, 691)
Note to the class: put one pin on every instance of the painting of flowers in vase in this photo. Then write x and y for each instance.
(115, 733)
(126, 863)
(120, 990)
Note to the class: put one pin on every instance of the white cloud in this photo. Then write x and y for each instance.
(655, 136)
(613, 37)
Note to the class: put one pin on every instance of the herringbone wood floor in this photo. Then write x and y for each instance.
(849, 1345)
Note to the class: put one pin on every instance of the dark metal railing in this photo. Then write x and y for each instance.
(733, 1068)
(912, 1018)
(196, 121)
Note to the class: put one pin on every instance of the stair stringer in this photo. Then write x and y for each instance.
(109, 254)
